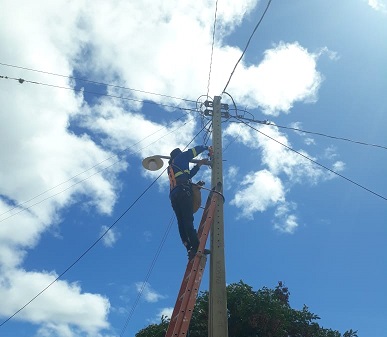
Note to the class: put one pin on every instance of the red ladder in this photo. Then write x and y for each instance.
(185, 303)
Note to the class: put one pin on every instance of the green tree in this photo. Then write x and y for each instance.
(155, 330)
(262, 313)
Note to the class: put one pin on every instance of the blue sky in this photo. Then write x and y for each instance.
(71, 159)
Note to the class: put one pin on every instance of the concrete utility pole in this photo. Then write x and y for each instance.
(217, 321)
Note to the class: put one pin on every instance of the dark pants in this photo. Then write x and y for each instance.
(182, 204)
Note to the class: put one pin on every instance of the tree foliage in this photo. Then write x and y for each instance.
(262, 313)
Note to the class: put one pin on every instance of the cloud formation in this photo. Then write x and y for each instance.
(149, 294)
(60, 146)
(284, 167)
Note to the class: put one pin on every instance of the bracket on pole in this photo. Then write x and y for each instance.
(210, 108)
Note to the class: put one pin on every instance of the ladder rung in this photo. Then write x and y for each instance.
(185, 302)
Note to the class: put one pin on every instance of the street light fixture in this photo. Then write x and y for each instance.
(154, 163)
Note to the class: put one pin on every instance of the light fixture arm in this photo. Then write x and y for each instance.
(154, 163)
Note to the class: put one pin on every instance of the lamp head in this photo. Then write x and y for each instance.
(152, 163)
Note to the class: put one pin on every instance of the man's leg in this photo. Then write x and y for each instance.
(188, 220)
(180, 221)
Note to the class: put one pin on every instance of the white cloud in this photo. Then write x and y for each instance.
(297, 125)
(378, 5)
(286, 75)
(110, 238)
(285, 221)
(339, 166)
(148, 236)
(163, 48)
(264, 189)
(330, 152)
(61, 306)
(258, 191)
(276, 153)
(309, 141)
(288, 225)
(149, 294)
(166, 312)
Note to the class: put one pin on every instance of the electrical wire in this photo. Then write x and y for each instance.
(247, 45)
(94, 166)
(80, 181)
(150, 270)
(207, 134)
(310, 132)
(317, 163)
(199, 107)
(144, 284)
(330, 136)
(22, 80)
(84, 253)
(95, 82)
(93, 244)
(212, 47)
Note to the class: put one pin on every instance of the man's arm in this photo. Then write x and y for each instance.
(196, 168)
(195, 151)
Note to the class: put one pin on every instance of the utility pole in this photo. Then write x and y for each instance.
(217, 321)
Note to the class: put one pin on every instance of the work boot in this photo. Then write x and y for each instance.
(191, 254)
(206, 252)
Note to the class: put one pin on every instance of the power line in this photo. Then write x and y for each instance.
(82, 180)
(84, 253)
(95, 82)
(317, 163)
(156, 255)
(265, 122)
(330, 136)
(212, 47)
(247, 45)
(22, 80)
(144, 284)
(93, 244)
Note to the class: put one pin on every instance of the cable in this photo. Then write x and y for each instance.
(248, 42)
(233, 102)
(329, 136)
(212, 47)
(84, 253)
(21, 81)
(95, 82)
(78, 182)
(94, 166)
(310, 132)
(155, 258)
(199, 110)
(207, 135)
(197, 135)
(144, 284)
(315, 162)
(92, 245)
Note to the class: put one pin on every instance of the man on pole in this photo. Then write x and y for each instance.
(181, 194)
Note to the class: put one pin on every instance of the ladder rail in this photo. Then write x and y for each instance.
(186, 299)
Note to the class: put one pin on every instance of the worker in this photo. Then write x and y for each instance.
(181, 194)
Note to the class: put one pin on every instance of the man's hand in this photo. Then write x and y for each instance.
(202, 162)
(210, 151)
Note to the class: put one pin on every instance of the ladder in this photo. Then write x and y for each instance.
(185, 302)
